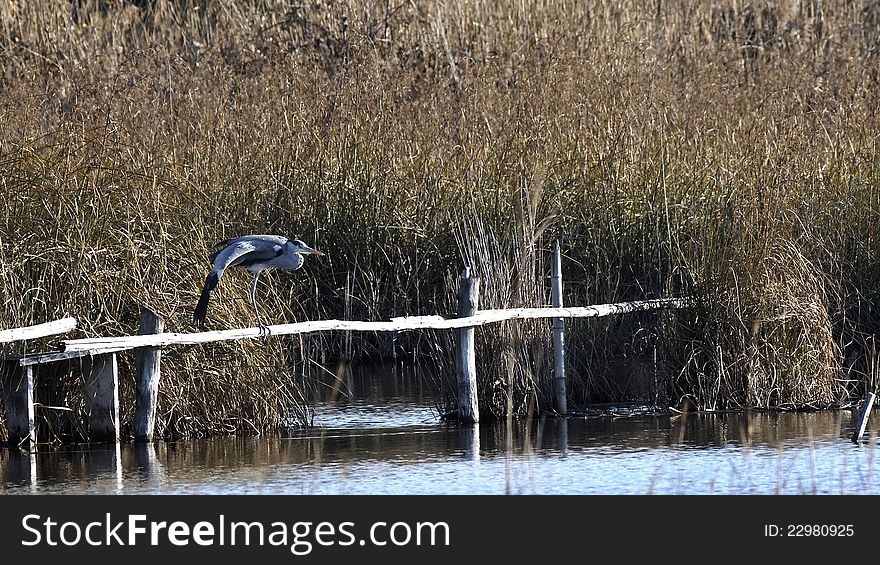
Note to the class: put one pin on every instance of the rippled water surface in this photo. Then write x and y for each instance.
(382, 435)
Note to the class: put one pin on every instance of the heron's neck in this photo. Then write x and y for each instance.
(293, 260)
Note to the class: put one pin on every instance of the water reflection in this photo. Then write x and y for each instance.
(381, 437)
(563, 437)
(469, 437)
(147, 464)
(19, 468)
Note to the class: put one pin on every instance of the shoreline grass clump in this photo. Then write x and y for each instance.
(725, 152)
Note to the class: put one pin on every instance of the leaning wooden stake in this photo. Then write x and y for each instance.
(558, 331)
(147, 361)
(468, 302)
(102, 396)
(18, 400)
(863, 417)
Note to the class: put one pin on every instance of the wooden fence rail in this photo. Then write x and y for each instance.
(96, 345)
(46, 329)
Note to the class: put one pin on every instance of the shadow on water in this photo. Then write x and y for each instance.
(380, 434)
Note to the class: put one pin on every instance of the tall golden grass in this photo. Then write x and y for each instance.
(723, 150)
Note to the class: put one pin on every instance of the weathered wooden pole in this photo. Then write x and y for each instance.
(558, 331)
(347, 310)
(863, 417)
(102, 396)
(468, 302)
(18, 401)
(147, 361)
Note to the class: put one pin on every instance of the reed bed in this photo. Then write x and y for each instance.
(725, 151)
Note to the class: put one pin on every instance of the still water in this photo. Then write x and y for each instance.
(382, 435)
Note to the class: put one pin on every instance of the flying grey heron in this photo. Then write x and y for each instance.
(256, 253)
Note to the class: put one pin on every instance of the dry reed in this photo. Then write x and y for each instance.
(726, 151)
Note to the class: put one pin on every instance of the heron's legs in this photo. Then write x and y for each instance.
(264, 330)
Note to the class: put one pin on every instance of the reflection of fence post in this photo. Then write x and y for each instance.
(148, 464)
(20, 468)
(468, 302)
(563, 436)
(558, 332)
(102, 396)
(469, 437)
(863, 417)
(18, 400)
(147, 361)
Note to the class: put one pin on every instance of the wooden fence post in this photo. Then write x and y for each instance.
(18, 401)
(558, 332)
(863, 417)
(147, 361)
(468, 302)
(102, 396)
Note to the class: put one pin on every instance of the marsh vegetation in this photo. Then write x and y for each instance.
(726, 151)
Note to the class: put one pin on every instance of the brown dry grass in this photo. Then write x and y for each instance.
(726, 151)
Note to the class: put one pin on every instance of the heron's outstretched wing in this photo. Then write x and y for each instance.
(246, 251)
(257, 241)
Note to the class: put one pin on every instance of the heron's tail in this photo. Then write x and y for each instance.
(202, 306)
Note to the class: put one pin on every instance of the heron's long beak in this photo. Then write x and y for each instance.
(312, 251)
